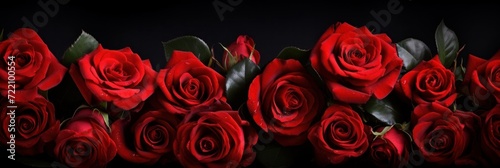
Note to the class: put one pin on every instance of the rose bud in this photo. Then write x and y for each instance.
(242, 48)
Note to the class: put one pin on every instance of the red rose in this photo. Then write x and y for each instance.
(339, 135)
(35, 67)
(116, 76)
(242, 48)
(483, 78)
(429, 81)
(145, 139)
(84, 141)
(392, 149)
(33, 123)
(284, 100)
(442, 136)
(355, 64)
(215, 139)
(186, 83)
(490, 135)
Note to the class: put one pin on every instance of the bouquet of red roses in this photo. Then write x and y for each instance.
(356, 98)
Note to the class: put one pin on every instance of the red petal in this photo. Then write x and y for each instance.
(179, 57)
(348, 95)
(472, 63)
(26, 33)
(118, 135)
(254, 104)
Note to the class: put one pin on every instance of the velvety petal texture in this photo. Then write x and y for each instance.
(186, 84)
(145, 139)
(284, 100)
(483, 78)
(35, 125)
(339, 136)
(392, 149)
(490, 135)
(443, 136)
(119, 77)
(356, 64)
(84, 141)
(428, 82)
(35, 67)
(215, 139)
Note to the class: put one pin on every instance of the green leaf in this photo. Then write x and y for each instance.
(188, 43)
(381, 133)
(295, 53)
(232, 59)
(44, 94)
(238, 80)
(244, 113)
(386, 111)
(84, 44)
(447, 44)
(409, 62)
(1, 35)
(105, 116)
(460, 72)
(405, 127)
(103, 105)
(412, 52)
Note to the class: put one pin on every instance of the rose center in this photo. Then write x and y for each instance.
(293, 101)
(26, 125)
(27, 122)
(79, 149)
(339, 132)
(22, 60)
(497, 75)
(156, 135)
(341, 128)
(356, 56)
(117, 72)
(496, 129)
(432, 80)
(207, 145)
(438, 141)
(191, 87)
(380, 154)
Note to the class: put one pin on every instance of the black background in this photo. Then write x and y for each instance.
(143, 25)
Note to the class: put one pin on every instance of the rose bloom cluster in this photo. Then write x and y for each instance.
(181, 115)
